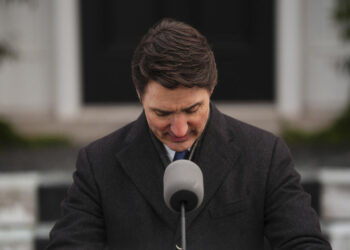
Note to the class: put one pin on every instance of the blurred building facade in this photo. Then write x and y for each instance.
(45, 80)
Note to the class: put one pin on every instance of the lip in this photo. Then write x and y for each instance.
(179, 139)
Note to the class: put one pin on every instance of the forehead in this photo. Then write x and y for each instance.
(157, 96)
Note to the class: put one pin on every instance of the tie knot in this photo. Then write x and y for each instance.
(180, 155)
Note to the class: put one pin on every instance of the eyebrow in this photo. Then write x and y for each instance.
(183, 110)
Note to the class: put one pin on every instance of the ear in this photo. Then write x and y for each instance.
(211, 91)
(139, 96)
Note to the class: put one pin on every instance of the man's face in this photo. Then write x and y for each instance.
(178, 116)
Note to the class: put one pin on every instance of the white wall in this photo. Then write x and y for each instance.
(309, 52)
(45, 79)
(326, 86)
(26, 82)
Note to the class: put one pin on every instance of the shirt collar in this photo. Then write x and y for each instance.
(170, 152)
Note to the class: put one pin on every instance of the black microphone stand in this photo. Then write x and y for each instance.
(183, 206)
(183, 226)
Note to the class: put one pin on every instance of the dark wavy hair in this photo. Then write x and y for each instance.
(173, 54)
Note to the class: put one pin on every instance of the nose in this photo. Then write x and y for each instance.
(179, 125)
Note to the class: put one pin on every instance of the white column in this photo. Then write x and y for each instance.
(289, 66)
(66, 58)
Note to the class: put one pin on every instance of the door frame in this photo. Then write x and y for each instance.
(67, 92)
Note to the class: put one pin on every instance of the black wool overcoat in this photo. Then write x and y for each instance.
(251, 188)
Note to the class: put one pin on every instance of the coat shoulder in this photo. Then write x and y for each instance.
(247, 133)
(111, 143)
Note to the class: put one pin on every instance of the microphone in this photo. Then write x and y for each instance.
(183, 190)
(183, 184)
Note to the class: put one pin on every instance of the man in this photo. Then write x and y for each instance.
(251, 189)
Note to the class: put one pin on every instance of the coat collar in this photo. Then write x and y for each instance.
(216, 157)
(141, 161)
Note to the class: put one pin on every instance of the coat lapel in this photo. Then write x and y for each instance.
(216, 158)
(142, 163)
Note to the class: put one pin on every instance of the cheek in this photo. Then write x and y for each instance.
(198, 123)
(158, 124)
(200, 120)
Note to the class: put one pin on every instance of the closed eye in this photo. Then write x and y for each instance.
(192, 109)
(162, 113)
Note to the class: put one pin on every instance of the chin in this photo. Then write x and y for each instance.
(179, 146)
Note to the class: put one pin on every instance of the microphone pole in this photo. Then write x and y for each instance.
(183, 226)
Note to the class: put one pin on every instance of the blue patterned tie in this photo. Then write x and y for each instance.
(180, 155)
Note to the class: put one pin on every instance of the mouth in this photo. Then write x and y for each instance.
(179, 139)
